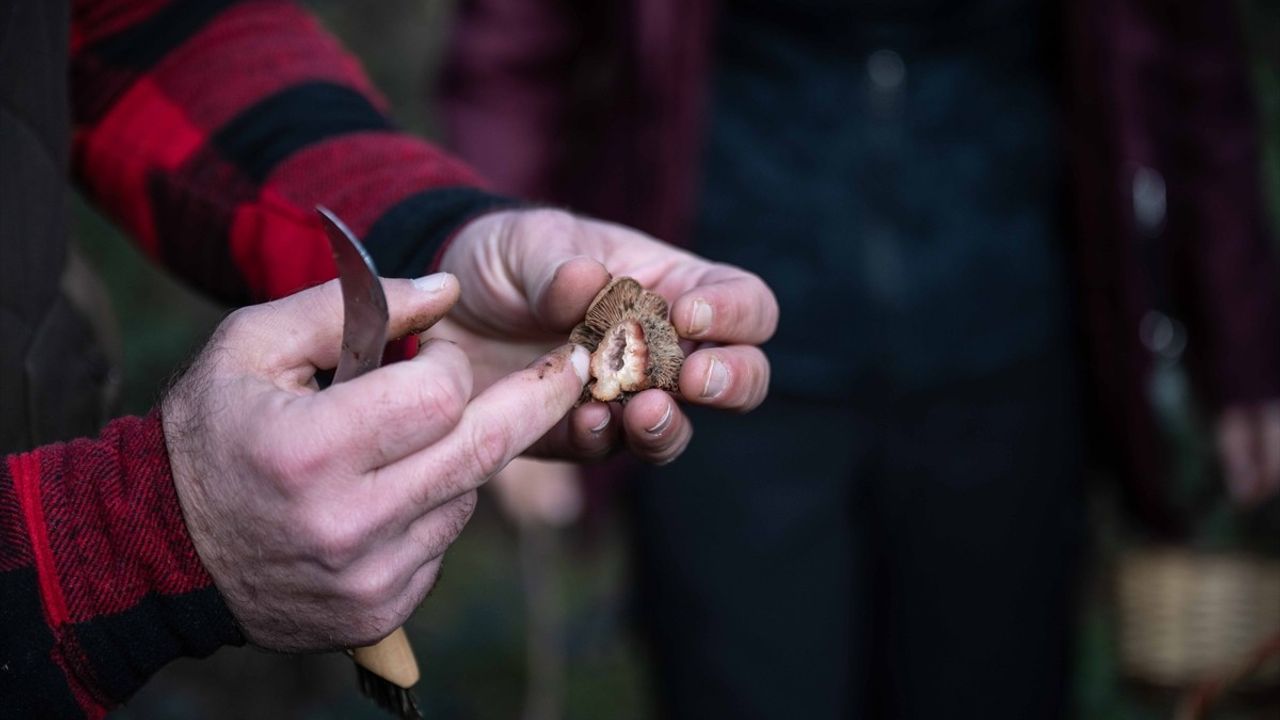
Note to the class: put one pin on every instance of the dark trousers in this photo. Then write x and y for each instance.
(907, 555)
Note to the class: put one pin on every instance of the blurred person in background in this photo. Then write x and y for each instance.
(250, 505)
(948, 198)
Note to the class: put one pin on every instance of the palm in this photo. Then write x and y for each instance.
(527, 278)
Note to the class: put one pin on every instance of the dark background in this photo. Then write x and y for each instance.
(470, 634)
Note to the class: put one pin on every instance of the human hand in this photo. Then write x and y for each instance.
(322, 515)
(538, 492)
(530, 275)
(1248, 439)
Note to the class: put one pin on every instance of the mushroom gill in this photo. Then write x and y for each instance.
(633, 345)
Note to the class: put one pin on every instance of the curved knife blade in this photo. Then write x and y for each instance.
(364, 306)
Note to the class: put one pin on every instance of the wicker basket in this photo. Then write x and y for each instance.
(1188, 617)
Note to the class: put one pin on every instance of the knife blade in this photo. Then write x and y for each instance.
(364, 306)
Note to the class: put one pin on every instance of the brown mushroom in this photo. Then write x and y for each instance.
(633, 345)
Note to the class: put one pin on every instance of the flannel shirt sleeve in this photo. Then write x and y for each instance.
(209, 130)
(100, 585)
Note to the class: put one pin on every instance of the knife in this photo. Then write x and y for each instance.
(386, 670)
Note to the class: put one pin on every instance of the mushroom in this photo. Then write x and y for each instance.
(633, 345)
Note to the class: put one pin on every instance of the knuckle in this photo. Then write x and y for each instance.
(369, 590)
(460, 371)
(487, 448)
(334, 544)
(441, 397)
(246, 336)
(296, 466)
(238, 324)
(265, 455)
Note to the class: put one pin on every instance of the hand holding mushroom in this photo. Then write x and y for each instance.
(529, 277)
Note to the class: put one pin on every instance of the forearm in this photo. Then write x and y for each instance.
(210, 132)
(99, 581)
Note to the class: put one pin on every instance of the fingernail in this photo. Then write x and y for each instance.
(661, 424)
(701, 320)
(581, 363)
(717, 379)
(603, 424)
(432, 283)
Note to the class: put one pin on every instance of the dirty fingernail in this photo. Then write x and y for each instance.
(432, 283)
(701, 320)
(662, 424)
(717, 379)
(581, 363)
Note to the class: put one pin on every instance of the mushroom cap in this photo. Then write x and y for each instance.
(624, 300)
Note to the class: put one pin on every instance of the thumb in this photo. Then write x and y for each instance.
(305, 329)
(551, 260)
(560, 291)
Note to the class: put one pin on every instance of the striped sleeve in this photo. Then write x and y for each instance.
(209, 129)
(100, 585)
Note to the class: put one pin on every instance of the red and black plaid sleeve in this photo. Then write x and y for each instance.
(100, 585)
(210, 129)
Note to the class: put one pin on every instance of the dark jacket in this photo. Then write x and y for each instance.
(600, 106)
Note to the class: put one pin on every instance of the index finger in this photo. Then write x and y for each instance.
(737, 309)
(499, 424)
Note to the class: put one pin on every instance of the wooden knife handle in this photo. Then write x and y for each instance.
(390, 658)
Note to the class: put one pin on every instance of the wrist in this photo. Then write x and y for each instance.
(411, 238)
